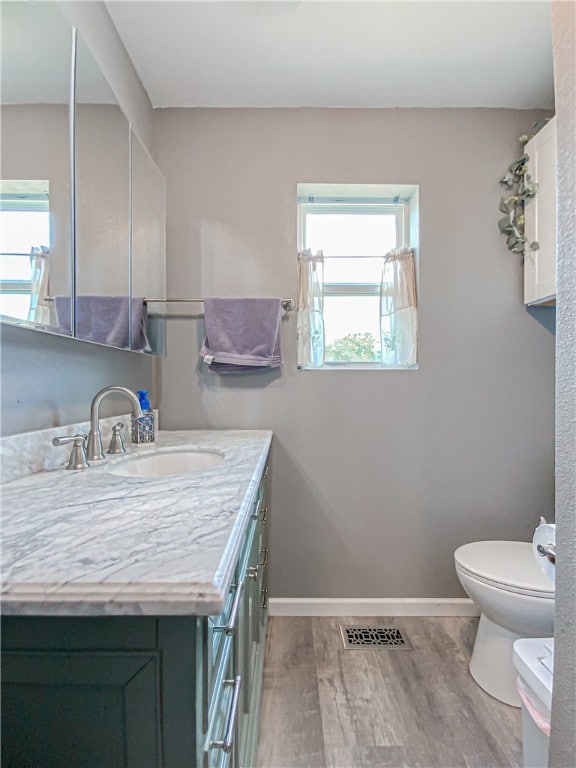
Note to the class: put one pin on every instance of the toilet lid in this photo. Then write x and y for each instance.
(510, 563)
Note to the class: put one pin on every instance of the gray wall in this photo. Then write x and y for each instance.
(563, 742)
(377, 476)
(49, 380)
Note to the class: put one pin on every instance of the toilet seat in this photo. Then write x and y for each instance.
(508, 565)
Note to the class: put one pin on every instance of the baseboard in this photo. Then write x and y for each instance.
(384, 606)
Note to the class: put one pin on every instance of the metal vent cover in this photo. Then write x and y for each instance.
(358, 638)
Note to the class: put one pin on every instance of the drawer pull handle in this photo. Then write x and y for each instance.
(265, 553)
(266, 472)
(253, 572)
(256, 514)
(230, 628)
(264, 603)
(264, 515)
(228, 742)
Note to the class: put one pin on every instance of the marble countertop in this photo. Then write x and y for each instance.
(93, 544)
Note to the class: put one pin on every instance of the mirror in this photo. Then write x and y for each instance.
(102, 208)
(35, 188)
(148, 249)
(84, 267)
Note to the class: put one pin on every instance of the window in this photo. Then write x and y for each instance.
(24, 225)
(354, 227)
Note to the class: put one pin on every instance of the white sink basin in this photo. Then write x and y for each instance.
(165, 463)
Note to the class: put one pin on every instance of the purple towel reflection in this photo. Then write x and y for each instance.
(104, 319)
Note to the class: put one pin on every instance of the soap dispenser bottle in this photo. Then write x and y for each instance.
(143, 428)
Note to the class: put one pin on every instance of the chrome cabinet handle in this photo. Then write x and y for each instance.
(265, 553)
(266, 472)
(264, 517)
(230, 628)
(256, 514)
(253, 572)
(228, 742)
(264, 603)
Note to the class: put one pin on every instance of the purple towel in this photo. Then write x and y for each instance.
(104, 319)
(242, 335)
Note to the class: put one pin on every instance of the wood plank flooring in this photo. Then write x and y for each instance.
(327, 707)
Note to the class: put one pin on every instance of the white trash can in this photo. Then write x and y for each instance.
(533, 659)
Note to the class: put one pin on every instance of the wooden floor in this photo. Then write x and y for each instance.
(326, 707)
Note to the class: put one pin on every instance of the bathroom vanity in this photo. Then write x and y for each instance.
(135, 611)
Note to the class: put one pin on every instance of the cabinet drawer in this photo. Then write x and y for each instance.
(226, 625)
(222, 740)
(219, 630)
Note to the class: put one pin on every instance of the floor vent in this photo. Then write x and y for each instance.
(357, 638)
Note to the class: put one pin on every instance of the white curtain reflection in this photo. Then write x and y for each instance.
(39, 311)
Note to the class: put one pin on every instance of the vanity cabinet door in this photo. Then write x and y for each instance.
(540, 218)
(108, 692)
(91, 709)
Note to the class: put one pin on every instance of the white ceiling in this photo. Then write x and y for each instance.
(384, 53)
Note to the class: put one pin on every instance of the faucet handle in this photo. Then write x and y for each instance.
(77, 458)
(116, 442)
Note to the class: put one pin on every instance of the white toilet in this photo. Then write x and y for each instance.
(516, 600)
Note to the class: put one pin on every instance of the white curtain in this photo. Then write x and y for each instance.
(310, 320)
(39, 310)
(398, 309)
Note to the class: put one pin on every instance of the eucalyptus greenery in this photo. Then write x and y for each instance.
(519, 188)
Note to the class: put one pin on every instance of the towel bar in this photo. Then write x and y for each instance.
(287, 304)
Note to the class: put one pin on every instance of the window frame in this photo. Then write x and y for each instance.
(399, 207)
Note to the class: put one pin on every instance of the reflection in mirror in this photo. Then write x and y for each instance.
(25, 249)
(35, 248)
(102, 147)
(148, 252)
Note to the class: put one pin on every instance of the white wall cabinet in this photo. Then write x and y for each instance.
(540, 224)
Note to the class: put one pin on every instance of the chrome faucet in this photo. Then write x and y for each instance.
(95, 450)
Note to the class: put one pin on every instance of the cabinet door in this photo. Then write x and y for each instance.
(64, 709)
(540, 213)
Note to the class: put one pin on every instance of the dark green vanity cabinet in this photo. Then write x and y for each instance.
(235, 642)
(141, 692)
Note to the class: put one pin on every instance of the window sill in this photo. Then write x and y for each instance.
(359, 367)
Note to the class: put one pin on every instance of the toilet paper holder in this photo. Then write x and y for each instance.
(548, 551)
